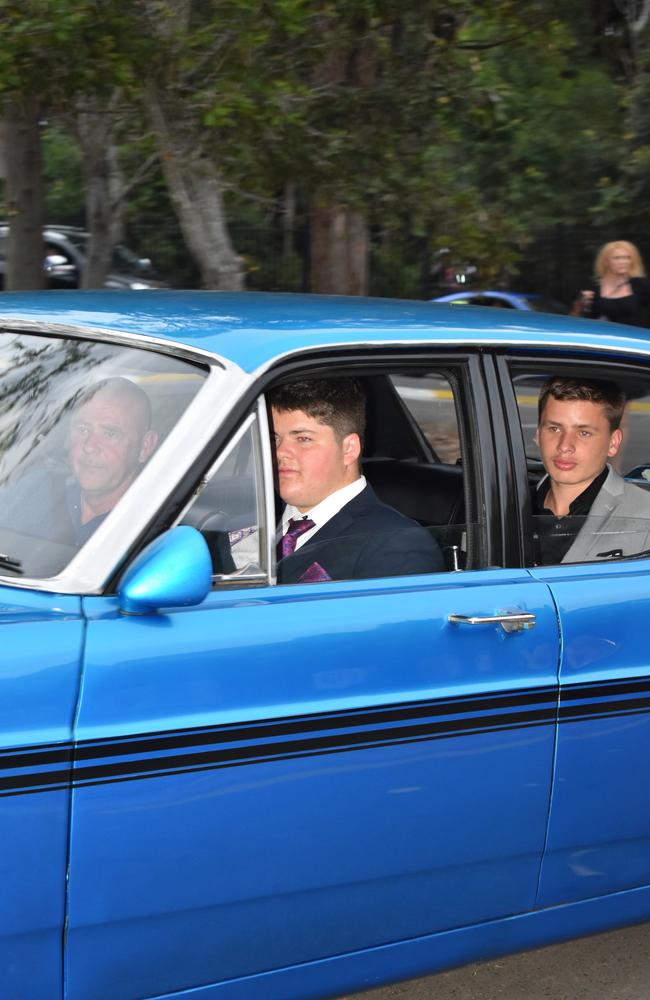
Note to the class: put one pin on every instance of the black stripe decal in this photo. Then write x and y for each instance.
(39, 768)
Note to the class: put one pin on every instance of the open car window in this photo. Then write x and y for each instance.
(412, 518)
(614, 522)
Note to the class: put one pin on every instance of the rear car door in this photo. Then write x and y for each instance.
(599, 827)
(286, 774)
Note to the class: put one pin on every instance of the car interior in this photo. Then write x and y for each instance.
(399, 462)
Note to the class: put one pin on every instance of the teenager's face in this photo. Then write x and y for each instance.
(311, 461)
(575, 441)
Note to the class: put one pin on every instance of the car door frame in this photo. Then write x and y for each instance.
(597, 828)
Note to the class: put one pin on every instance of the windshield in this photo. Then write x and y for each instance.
(78, 422)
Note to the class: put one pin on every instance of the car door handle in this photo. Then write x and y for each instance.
(510, 621)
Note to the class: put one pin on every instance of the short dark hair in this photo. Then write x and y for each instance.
(607, 394)
(339, 403)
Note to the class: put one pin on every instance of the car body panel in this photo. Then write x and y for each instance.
(422, 956)
(39, 679)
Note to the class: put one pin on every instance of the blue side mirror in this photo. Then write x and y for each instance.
(175, 570)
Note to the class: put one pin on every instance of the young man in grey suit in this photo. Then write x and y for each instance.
(584, 510)
(333, 526)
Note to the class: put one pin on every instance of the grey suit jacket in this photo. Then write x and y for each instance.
(618, 523)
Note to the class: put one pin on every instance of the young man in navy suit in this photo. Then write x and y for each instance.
(334, 527)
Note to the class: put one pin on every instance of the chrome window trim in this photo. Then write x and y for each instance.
(89, 570)
(264, 425)
(158, 345)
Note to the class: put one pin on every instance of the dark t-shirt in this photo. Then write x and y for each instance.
(633, 309)
(82, 532)
(555, 535)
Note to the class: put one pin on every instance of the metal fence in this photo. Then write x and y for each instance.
(557, 262)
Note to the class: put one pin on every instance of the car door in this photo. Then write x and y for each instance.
(39, 678)
(285, 774)
(599, 826)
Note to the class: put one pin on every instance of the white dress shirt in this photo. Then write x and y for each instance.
(322, 512)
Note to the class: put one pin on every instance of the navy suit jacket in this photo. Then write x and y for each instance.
(365, 539)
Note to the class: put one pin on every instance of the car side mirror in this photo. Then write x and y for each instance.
(175, 570)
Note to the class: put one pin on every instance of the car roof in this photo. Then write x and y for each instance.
(252, 329)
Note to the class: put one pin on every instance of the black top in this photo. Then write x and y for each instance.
(633, 309)
(554, 535)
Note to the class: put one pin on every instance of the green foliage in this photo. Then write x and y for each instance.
(547, 129)
(449, 124)
(62, 48)
(64, 188)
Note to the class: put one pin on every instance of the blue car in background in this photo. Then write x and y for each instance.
(218, 784)
(506, 300)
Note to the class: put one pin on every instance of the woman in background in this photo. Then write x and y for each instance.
(621, 291)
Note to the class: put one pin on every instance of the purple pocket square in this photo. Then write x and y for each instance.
(314, 574)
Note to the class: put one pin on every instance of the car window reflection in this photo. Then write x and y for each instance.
(78, 422)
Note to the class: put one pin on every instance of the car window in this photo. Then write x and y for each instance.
(57, 253)
(78, 422)
(481, 300)
(411, 519)
(229, 510)
(430, 400)
(598, 526)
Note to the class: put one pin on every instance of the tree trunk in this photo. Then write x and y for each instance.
(196, 193)
(24, 194)
(119, 190)
(339, 249)
(95, 135)
(339, 233)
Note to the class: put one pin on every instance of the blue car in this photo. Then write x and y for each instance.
(217, 783)
(529, 301)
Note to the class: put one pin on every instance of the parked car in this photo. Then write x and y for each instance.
(218, 784)
(65, 254)
(507, 300)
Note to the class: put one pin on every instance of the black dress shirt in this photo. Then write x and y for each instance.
(554, 535)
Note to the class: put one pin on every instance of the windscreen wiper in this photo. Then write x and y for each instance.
(8, 563)
(618, 554)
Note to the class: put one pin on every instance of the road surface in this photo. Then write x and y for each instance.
(614, 966)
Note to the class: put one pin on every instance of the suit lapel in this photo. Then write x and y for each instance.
(592, 535)
(344, 519)
(342, 524)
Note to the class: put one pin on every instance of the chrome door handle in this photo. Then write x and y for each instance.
(510, 621)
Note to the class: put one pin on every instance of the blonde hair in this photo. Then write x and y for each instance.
(637, 270)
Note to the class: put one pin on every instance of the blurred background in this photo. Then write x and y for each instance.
(349, 146)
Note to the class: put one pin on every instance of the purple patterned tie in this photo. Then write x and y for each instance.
(295, 529)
